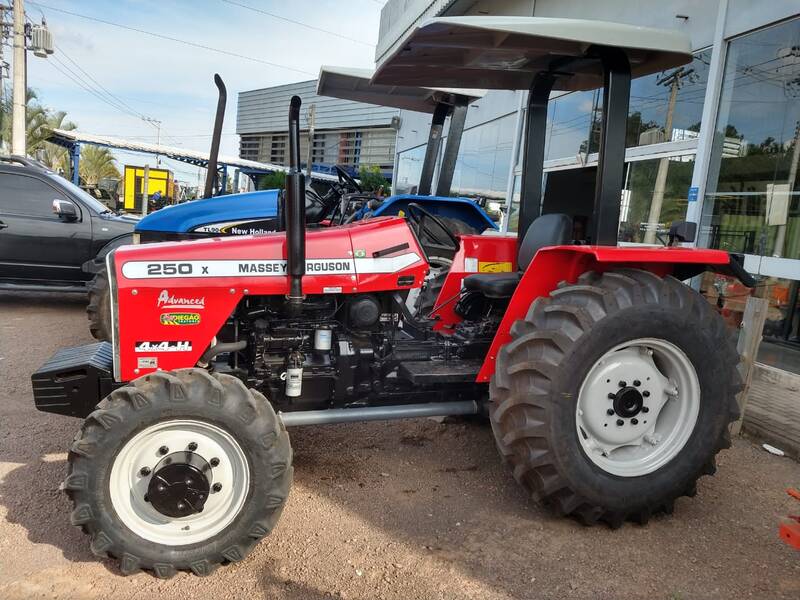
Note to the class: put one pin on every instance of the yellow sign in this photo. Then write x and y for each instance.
(494, 267)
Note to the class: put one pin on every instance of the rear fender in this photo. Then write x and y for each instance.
(553, 265)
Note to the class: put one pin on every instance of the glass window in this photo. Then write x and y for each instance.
(753, 197)
(663, 107)
(484, 159)
(654, 195)
(409, 170)
(28, 196)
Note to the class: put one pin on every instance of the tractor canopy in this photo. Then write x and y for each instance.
(509, 52)
(356, 85)
(542, 55)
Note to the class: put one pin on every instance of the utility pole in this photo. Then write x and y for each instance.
(157, 124)
(18, 141)
(674, 81)
(780, 236)
(3, 70)
(312, 117)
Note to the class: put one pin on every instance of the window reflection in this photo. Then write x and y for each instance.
(664, 107)
(753, 201)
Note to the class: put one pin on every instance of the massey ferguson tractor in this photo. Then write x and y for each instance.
(608, 382)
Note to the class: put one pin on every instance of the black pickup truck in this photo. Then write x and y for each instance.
(49, 228)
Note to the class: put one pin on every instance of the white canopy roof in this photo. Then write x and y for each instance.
(182, 154)
(354, 84)
(508, 52)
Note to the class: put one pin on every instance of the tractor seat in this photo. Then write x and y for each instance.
(548, 230)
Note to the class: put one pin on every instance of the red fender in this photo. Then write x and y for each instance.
(552, 265)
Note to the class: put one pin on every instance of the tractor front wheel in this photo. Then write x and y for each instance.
(99, 309)
(615, 395)
(179, 471)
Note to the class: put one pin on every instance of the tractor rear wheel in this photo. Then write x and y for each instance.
(179, 471)
(99, 309)
(614, 395)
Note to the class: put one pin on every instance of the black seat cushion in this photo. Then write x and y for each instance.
(493, 285)
(548, 230)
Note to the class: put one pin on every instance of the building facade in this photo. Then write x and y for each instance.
(716, 141)
(346, 133)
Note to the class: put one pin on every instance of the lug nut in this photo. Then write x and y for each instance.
(161, 488)
(623, 384)
(192, 446)
(163, 450)
(214, 462)
(216, 487)
(620, 422)
(146, 498)
(144, 471)
(645, 409)
(610, 411)
(637, 383)
(646, 394)
(612, 396)
(189, 482)
(181, 506)
(634, 421)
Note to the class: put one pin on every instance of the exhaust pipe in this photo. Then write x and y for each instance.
(295, 211)
(330, 416)
(211, 175)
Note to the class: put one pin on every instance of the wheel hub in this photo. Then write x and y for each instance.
(180, 485)
(628, 402)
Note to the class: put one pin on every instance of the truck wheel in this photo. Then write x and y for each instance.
(99, 309)
(614, 395)
(179, 471)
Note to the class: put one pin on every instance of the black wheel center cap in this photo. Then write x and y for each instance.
(179, 486)
(628, 402)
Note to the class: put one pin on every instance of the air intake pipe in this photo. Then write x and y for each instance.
(295, 211)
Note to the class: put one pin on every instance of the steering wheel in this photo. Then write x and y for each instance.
(419, 216)
(346, 180)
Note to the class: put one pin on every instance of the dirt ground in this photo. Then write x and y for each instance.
(413, 509)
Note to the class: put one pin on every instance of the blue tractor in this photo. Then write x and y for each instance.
(342, 200)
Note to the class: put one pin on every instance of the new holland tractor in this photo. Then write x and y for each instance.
(257, 212)
(608, 382)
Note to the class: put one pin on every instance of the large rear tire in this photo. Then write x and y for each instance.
(99, 309)
(615, 395)
(179, 471)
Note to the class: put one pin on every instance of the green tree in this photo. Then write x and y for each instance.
(96, 164)
(272, 181)
(372, 180)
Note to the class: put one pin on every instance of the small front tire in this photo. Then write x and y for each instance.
(210, 427)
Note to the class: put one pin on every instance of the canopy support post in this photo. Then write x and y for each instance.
(458, 119)
(611, 158)
(432, 151)
(530, 205)
(75, 162)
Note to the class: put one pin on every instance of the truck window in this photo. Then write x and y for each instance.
(27, 196)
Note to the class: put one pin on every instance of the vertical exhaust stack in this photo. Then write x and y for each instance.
(211, 175)
(295, 210)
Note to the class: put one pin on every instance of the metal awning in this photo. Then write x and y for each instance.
(508, 52)
(69, 138)
(354, 84)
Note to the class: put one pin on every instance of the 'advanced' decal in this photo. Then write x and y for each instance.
(142, 269)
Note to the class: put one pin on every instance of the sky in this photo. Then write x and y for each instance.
(173, 82)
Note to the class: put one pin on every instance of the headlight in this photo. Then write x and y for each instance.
(137, 239)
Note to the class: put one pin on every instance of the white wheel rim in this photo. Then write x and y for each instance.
(668, 405)
(128, 487)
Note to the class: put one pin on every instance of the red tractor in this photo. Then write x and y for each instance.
(609, 383)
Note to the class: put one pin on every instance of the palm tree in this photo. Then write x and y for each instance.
(54, 156)
(96, 164)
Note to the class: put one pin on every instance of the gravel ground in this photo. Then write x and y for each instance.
(413, 509)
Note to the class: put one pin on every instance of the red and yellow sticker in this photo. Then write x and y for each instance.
(494, 267)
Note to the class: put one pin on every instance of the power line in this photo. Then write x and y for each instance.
(300, 23)
(173, 39)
